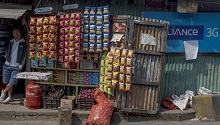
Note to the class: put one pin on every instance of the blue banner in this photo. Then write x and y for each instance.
(203, 27)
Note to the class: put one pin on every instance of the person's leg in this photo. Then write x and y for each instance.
(8, 87)
(12, 81)
(6, 77)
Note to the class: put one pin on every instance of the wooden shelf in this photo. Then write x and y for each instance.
(62, 69)
(68, 84)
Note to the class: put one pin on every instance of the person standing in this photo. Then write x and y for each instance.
(15, 60)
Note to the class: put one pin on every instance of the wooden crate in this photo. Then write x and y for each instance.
(51, 103)
(85, 104)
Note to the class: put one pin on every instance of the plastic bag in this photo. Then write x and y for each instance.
(167, 103)
(102, 111)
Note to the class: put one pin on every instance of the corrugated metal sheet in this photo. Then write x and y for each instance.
(181, 75)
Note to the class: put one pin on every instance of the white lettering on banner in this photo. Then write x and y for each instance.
(212, 32)
(181, 32)
(148, 39)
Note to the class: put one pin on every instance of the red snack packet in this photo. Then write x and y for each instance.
(39, 38)
(61, 51)
(77, 38)
(71, 37)
(33, 21)
(62, 30)
(76, 59)
(45, 45)
(52, 20)
(66, 51)
(76, 52)
(66, 23)
(39, 21)
(77, 30)
(62, 23)
(39, 29)
(71, 44)
(52, 37)
(45, 53)
(45, 28)
(66, 65)
(39, 47)
(67, 37)
(32, 38)
(62, 37)
(61, 44)
(78, 15)
(71, 51)
(45, 37)
(32, 46)
(72, 30)
(38, 56)
(67, 16)
(72, 22)
(45, 21)
(53, 29)
(77, 22)
(66, 58)
(66, 29)
(62, 17)
(52, 46)
(32, 30)
(31, 55)
(77, 45)
(71, 58)
(60, 58)
(52, 54)
(66, 43)
(72, 16)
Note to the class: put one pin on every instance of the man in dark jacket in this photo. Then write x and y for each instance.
(15, 60)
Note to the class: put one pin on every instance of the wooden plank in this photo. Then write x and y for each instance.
(148, 32)
(145, 97)
(131, 34)
(147, 52)
(149, 97)
(144, 82)
(153, 98)
(159, 39)
(156, 70)
(123, 99)
(127, 44)
(133, 97)
(118, 99)
(142, 93)
(139, 37)
(149, 23)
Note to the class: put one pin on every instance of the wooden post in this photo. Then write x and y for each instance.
(64, 116)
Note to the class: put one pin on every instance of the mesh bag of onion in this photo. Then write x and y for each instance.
(101, 112)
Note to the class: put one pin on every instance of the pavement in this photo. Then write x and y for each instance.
(16, 111)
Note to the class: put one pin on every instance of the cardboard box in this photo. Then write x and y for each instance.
(68, 102)
(207, 106)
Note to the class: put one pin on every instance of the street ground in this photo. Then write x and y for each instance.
(188, 122)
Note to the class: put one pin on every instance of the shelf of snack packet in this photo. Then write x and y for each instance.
(68, 84)
(77, 70)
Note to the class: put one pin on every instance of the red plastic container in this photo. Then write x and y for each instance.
(33, 95)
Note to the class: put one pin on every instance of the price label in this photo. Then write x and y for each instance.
(43, 9)
(70, 6)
